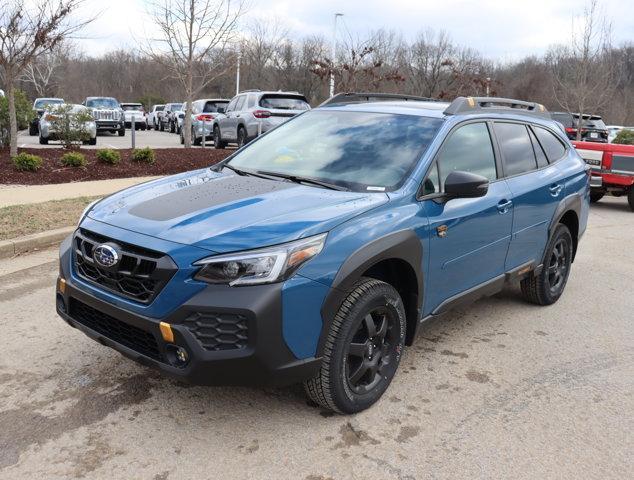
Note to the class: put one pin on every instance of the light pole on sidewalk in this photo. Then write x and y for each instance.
(334, 55)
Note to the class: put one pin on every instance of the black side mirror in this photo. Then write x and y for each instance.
(221, 109)
(461, 184)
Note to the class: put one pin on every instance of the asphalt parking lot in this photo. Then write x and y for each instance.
(147, 138)
(499, 389)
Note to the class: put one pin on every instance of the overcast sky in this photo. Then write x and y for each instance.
(501, 29)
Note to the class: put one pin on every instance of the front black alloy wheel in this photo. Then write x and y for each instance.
(363, 349)
(547, 287)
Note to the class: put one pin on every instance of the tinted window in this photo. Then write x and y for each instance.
(468, 149)
(240, 102)
(284, 103)
(516, 147)
(563, 118)
(159, 108)
(212, 107)
(539, 152)
(550, 143)
(343, 148)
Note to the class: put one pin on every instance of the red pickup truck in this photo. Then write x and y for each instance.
(612, 169)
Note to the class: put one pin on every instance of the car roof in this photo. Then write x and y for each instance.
(423, 109)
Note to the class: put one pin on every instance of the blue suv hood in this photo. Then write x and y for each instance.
(227, 212)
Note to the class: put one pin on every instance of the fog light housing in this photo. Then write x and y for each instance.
(61, 304)
(177, 356)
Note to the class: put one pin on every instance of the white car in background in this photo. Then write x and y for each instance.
(613, 131)
(49, 118)
(154, 117)
(137, 111)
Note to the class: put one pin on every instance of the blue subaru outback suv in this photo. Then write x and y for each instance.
(316, 253)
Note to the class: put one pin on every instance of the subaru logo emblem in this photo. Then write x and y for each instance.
(105, 255)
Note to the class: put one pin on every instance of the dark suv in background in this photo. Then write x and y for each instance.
(254, 112)
(168, 120)
(592, 127)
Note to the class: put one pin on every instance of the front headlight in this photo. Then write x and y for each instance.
(265, 265)
(86, 210)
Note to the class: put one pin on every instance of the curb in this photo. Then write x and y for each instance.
(15, 246)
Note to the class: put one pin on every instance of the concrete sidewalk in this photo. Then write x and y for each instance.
(27, 194)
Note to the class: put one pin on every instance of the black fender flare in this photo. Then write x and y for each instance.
(403, 245)
(571, 202)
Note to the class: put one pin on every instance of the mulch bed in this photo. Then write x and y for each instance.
(168, 161)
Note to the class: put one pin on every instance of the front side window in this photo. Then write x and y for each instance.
(467, 149)
(550, 143)
(516, 147)
(362, 151)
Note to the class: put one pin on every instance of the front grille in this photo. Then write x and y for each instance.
(123, 333)
(105, 115)
(139, 275)
(218, 331)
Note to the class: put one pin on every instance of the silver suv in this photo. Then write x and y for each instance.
(107, 113)
(254, 112)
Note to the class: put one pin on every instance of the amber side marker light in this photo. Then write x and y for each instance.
(166, 331)
(61, 285)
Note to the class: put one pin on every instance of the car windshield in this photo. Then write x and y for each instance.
(102, 103)
(284, 103)
(45, 102)
(132, 107)
(356, 150)
(159, 108)
(212, 107)
(175, 106)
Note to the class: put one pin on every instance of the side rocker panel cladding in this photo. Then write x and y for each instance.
(403, 245)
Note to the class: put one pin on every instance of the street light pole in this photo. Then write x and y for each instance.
(238, 71)
(334, 55)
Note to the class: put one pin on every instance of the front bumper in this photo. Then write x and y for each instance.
(263, 358)
(110, 125)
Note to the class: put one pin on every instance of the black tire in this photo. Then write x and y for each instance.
(596, 196)
(43, 141)
(182, 138)
(630, 198)
(92, 141)
(547, 287)
(218, 143)
(122, 132)
(161, 127)
(33, 130)
(350, 382)
(196, 141)
(242, 137)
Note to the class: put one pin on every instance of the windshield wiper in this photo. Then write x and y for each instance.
(243, 173)
(311, 181)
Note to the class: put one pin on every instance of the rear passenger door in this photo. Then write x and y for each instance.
(537, 186)
(230, 131)
(224, 122)
(469, 237)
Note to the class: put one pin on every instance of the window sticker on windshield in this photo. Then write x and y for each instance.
(376, 189)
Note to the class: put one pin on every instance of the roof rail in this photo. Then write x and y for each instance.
(463, 105)
(251, 90)
(358, 97)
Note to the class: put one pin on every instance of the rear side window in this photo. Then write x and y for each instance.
(252, 100)
(468, 149)
(516, 146)
(550, 143)
(542, 161)
(283, 103)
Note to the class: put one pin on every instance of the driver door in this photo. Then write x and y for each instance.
(468, 237)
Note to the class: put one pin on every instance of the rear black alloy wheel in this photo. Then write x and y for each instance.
(547, 287)
(363, 349)
(242, 137)
(596, 196)
(218, 143)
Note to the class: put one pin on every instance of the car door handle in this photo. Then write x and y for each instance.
(555, 190)
(504, 206)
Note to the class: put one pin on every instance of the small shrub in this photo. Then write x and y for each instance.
(145, 155)
(27, 162)
(109, 156)
(74, 159)
(624, 137)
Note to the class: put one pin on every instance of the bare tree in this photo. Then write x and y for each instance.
(193, 38)
(583, 71)
(42, 71)
(27, 31)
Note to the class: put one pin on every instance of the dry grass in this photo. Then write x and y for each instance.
(19, 220)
